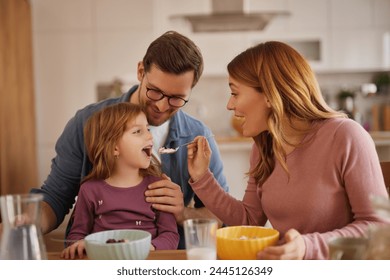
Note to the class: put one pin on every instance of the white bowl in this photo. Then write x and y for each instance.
(136, 245)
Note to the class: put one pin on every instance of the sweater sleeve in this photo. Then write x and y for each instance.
(167, 234)
(216, 168)
(83, 217)
(362, 178)
(227, 208)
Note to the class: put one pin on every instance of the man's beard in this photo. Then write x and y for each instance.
(147, 107)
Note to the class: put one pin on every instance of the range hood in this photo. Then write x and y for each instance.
(230, 15)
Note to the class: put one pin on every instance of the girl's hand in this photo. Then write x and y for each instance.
(73, 250)
(199, 154)
(293, 249)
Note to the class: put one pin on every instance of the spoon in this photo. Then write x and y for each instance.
(164, 150)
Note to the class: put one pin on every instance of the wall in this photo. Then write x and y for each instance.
(79, 43)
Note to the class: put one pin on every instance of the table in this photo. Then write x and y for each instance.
(153, 255)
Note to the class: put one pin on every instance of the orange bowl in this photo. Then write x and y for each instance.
(243, 242)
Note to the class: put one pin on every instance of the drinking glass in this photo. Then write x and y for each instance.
(200, 239)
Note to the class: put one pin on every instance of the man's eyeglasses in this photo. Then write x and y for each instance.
(156, 95)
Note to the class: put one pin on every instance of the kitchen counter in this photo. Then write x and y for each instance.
(381, 138)
(382, 144)
(153, 255)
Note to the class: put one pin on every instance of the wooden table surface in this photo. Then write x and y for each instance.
(153, 255)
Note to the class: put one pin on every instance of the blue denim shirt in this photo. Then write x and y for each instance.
(71, 164)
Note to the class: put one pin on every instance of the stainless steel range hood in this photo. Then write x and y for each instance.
(230, 15)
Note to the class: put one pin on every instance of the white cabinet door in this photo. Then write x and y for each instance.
(357, 32)
(356, 49)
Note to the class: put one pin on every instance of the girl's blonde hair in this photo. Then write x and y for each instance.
(102, 132)
(287, 81)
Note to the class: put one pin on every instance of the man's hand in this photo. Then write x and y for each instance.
(166, 196)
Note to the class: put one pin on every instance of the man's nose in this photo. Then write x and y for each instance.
(163, 104)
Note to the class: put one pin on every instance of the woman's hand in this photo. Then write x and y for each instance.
(199, 154)
(73, 250)
(293, 249)
(166, 196)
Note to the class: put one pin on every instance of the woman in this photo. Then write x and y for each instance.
(112, 196)
(312, 170)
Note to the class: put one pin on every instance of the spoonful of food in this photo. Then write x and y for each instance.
(164, 150)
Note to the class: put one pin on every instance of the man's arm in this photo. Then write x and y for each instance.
(48, 218)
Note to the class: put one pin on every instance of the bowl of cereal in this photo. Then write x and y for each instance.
(123, 244)
(243, 242)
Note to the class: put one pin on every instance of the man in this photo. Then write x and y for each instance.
(170, 69)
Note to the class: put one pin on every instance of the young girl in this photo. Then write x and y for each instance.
(312, 170)
(119, 146)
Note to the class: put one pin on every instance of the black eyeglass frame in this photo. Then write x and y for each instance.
(163, 95)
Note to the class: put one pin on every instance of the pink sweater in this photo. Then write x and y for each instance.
(327, 195)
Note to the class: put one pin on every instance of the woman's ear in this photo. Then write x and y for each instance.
(267, 102)
(116, 152)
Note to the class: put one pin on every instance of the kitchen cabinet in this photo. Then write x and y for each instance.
(351, 33)
(355, 34)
